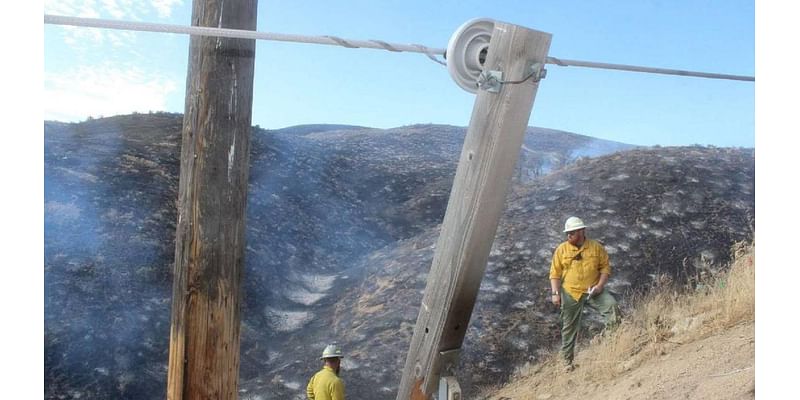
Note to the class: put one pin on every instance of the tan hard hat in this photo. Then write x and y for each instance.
(573, 224)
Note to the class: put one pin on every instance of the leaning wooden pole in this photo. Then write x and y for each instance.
(477, 199)
(209, 249)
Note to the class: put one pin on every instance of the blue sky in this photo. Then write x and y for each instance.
(100, 72)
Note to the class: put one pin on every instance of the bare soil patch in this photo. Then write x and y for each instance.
(717, 367)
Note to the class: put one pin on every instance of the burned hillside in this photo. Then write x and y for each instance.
(341, 221)
(661, 213)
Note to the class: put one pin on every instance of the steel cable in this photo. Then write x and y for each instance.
(349, 43)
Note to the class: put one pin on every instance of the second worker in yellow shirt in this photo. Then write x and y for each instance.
(326, 384)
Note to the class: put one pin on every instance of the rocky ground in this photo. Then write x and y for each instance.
(341, 227)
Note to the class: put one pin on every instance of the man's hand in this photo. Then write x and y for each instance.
(595, 290)
(555, 293)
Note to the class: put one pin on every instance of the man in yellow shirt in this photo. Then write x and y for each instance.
(326, 384)
(578, 275)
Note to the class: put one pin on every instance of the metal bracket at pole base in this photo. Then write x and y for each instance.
(449, 389)
(448, 360)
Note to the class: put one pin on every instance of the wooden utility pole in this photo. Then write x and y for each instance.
(477, 199)
(209, 249)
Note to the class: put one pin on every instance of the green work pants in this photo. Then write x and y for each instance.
(571, 312)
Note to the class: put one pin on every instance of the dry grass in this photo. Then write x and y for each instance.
(663, 319)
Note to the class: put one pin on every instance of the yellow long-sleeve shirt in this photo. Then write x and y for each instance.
(325, 385)
(579, 268)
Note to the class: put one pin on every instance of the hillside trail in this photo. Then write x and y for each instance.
(718, 367)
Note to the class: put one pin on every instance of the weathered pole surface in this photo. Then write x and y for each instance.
(477, 199)
(209, 248)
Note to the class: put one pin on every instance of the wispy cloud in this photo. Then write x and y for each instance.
(75, 8)
(115, 9)
(77, 87)
(149, 11)
(119, 9)
(105, 90)
(164, 7)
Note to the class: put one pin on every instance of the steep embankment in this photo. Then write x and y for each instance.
(718, 367)
(661, 212)
(676, 344)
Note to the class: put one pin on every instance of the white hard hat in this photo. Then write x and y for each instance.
(573, 224)
(332, 351)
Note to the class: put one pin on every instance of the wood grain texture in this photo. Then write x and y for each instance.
(209, 253)
(477, 200)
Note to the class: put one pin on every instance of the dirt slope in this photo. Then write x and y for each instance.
(717, 367)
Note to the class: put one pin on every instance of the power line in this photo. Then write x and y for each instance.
(349, 43)
(651, 70)
(238, 34)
